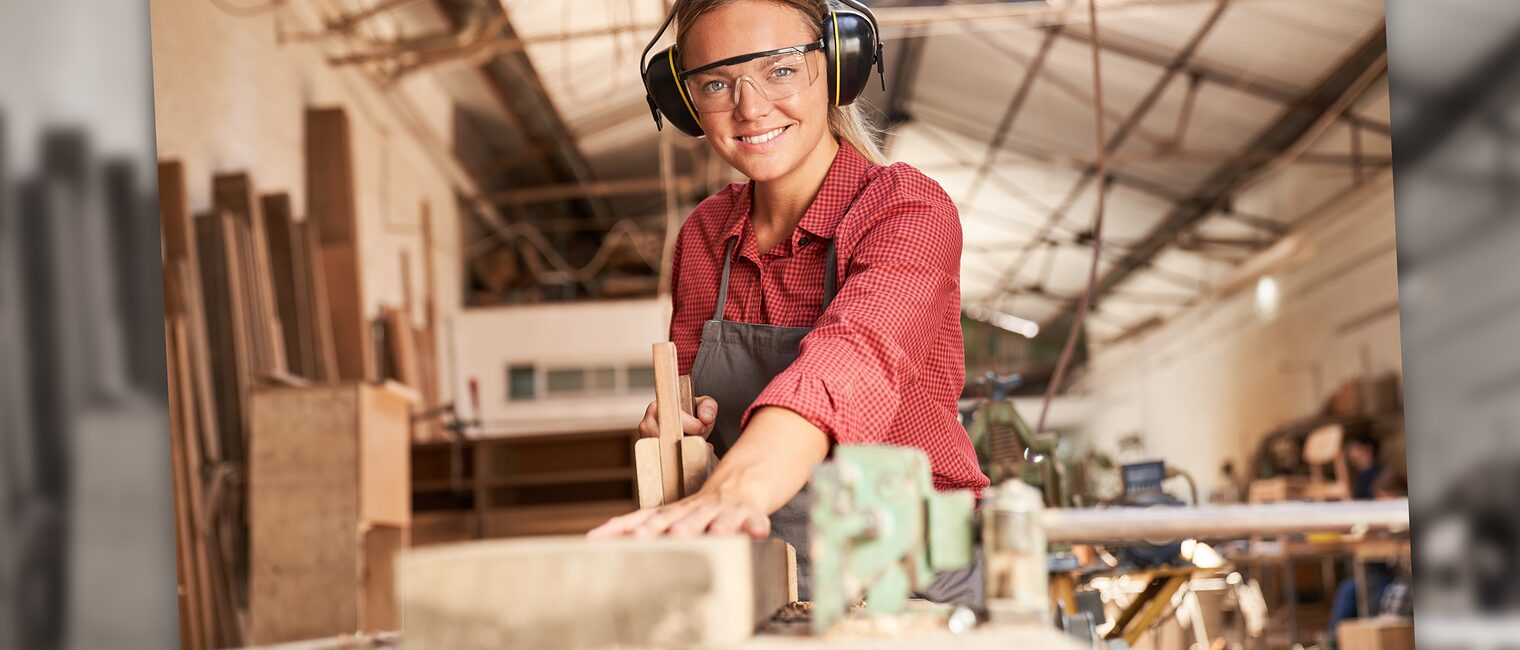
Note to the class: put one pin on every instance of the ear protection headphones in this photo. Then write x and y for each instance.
(851, 45)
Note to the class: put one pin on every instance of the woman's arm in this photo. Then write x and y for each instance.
(767, 467)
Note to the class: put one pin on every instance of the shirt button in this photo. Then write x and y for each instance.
(805, 241)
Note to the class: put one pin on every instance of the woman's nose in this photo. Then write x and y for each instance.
(751, 104)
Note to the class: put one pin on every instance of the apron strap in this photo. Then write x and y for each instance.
(728, 256)
(829, 278)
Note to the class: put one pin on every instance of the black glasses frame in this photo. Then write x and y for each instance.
(744, 58)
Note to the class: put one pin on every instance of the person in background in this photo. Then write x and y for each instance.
(1362, 458)
(1388, 592)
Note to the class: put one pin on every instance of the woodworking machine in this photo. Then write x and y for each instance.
(880, 529)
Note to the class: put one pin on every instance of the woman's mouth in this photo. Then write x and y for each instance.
(761, 142)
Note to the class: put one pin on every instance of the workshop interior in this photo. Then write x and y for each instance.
(416, 262)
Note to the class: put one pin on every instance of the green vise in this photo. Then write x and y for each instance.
(880, 530)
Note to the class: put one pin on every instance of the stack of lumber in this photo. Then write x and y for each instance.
(257, 296)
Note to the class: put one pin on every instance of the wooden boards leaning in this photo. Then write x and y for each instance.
(330, 207)
(571, 592)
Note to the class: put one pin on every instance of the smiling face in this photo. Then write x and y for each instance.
(765, 140)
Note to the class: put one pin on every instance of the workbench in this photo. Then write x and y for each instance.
(794, 636)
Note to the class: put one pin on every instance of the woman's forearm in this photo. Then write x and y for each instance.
(772, 460)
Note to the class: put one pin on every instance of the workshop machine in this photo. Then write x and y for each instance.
(880, 532)
(1007, 446)
(879, 529)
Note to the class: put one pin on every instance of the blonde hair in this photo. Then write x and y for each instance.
(845, 122)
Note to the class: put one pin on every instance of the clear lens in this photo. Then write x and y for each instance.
(775, 77)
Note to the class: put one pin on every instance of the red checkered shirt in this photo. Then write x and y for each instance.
(884, 363)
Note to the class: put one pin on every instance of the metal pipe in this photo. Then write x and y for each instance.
(1099, 525)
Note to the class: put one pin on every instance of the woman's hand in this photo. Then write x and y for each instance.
(722, 510)
(700, 425)
(769, 464)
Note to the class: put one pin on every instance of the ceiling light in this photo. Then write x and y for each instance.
(1021, 326)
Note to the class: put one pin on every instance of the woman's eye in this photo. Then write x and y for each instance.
(713, 86)
(783, 73)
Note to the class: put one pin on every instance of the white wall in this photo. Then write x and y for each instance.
(1207, 385)
(617, 333)
(230, 97)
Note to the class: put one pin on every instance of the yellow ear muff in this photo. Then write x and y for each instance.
(838, 76)
(681, 87)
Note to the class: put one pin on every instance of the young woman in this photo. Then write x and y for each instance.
(817, 304)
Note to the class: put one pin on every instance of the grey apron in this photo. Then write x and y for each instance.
(734, 363)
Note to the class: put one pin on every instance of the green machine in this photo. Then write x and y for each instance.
(881, 531)
(1007, 446)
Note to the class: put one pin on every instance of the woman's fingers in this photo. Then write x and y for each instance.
(698, 424)
(649, 427)
(707, 414)
(621, 525)
(696, 520)
(740, 519)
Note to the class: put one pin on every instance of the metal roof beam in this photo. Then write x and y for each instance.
(1283, 136)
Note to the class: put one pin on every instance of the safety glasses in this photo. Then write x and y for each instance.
(775, 74)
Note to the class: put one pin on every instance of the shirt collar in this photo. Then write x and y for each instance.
(846, 177)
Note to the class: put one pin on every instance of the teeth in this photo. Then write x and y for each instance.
(763, 137)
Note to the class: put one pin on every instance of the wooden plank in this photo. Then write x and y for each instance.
(288, 266)
(222, 293)
(324, 352)
(330, 205)
(330, 176)
(401, 346)
(190, 594)
(571, 592)
(199, 532)
(667, 392)
(182, 259)
(649, 481)
(234, 193)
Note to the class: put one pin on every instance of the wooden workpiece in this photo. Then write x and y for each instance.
(572, 592)
(672, 465)
(667, 391)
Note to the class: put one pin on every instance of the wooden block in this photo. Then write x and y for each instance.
(697, 462)
(326, 464)
(688, 401)
(650, 481)
(377, 584)
(667, 393)
(571, 592)
(1376, 634)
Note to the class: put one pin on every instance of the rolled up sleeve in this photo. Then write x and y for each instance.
(878, 333)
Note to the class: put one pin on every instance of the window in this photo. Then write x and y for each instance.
(640, 378)
(521, 382)
(601, 381)
(565, 381)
